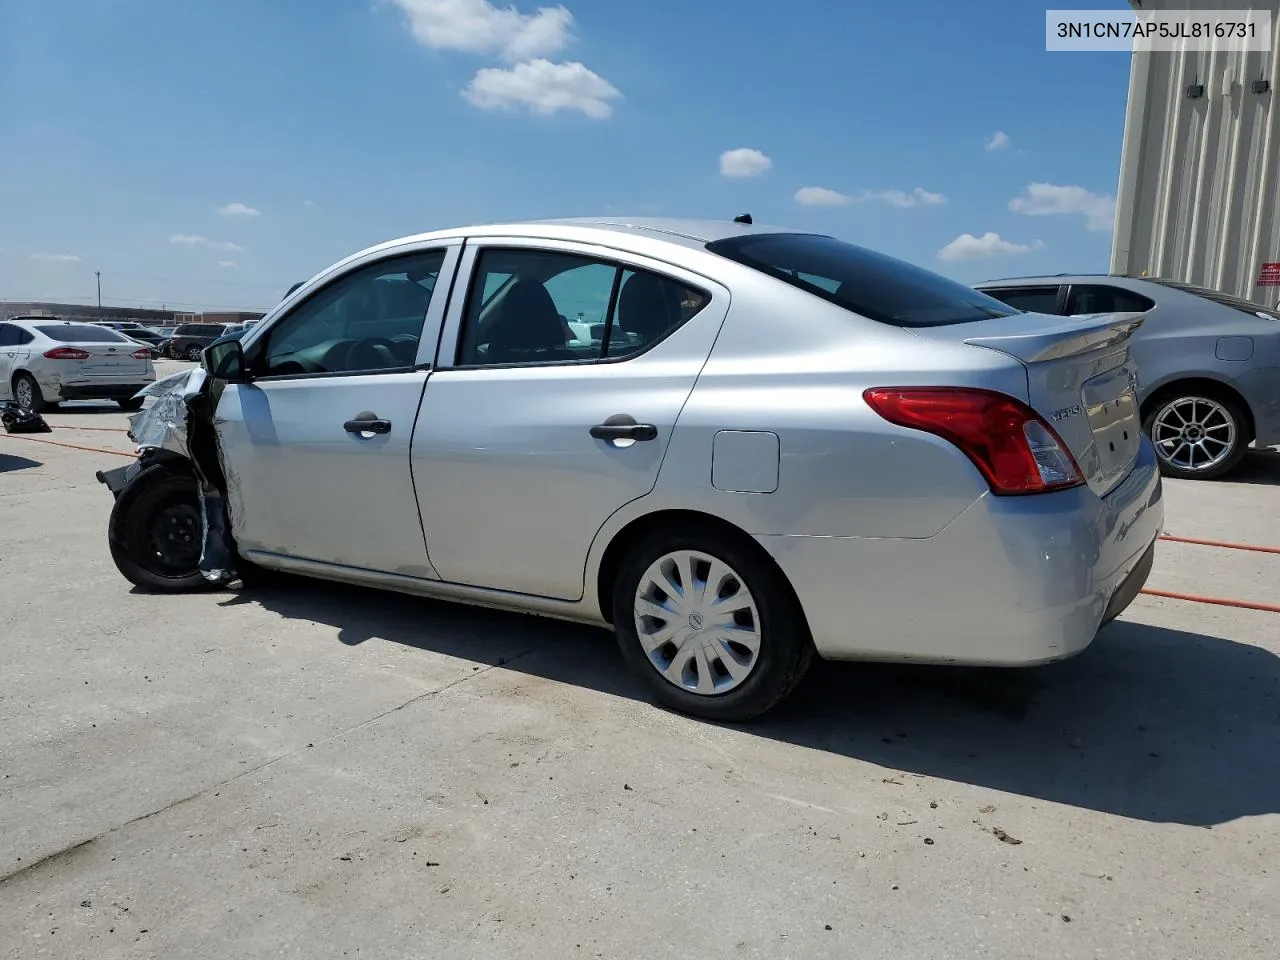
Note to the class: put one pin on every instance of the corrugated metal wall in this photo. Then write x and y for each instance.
(1197, 195)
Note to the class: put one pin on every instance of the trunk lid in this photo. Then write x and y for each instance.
(1079, 378)
(110, 359)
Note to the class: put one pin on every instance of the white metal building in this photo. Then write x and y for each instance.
(1200, 163)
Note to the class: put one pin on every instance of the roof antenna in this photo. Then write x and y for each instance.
(743, 218)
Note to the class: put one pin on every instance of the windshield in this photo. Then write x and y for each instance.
(1216, 296)
(81, 333)
(878, 287)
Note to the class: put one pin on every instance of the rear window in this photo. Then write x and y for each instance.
(1217, 296)
(876, 286)
(81, 333)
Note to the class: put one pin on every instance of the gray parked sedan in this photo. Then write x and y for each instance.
(1208, 363)
(737, 446)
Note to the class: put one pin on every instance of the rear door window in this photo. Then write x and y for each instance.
(1102, 298)
(876, 286)
(8, 335)
(1028, 299)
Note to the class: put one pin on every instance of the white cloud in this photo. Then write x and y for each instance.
(989, 245)
(544, 88)
(744, 162)
(238, 210)
(478, 26)
(898, 198)
(227, 265)
(195, 240)
(55, 257)
(822, 197)
(1047, 199)
(998, 141)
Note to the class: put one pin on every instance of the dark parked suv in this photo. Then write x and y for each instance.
(190, 339)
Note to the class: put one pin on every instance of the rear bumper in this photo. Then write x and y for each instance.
(1261, 389)
(57, 390)
(1012, 581)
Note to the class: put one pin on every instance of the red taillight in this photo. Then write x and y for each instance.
(141, 354)
(1016, 450)
(65, 353)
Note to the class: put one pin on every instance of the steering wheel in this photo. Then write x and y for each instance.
(372, 353)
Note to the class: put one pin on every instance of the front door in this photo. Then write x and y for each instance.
(316, 446)
(551, 406)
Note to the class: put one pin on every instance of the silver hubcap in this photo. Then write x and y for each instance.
(1194, 433)
(22, 392)
(697, 622)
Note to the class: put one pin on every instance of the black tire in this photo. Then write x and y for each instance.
(38, 404)
(133, 403)
(1239, 420)
(192, 353)
(785, 647)
(162, 502)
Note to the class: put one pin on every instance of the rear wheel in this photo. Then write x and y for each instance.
(1197, 437)
(27, 393)
(709, 626)
(156, 532)
(192, 353)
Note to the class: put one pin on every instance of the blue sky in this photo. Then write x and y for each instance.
(211, 152)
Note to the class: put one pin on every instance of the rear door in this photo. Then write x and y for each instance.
(561, 376)
(10, 335)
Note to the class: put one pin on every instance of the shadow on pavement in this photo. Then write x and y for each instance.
(10, 464)
(1258, 466)
(1150, 723)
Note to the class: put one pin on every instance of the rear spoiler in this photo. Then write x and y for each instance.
(1064, 338)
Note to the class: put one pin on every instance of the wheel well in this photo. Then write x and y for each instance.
(1215, 389)
(683, 520)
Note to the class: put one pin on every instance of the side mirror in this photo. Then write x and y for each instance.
(224, 360)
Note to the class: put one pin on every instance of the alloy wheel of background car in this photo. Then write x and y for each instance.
(697, 622)
(709, 624)
(1197, 437)
(193, 353)
(26, 392)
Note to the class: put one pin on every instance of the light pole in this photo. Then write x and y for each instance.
(98, 275)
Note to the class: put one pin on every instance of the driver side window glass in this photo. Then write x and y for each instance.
(368, 321)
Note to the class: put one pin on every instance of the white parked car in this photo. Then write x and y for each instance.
(44, 360)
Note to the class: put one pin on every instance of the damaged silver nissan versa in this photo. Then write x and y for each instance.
(736, 446)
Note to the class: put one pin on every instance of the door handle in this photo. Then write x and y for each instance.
(366, 423)
(622, 427)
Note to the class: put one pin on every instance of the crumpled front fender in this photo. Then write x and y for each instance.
(178, 423)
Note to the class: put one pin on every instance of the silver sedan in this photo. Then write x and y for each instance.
(44, 360)
(1208, 363)
(736, 446)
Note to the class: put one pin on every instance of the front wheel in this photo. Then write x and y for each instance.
(156, 533)
(709, 625)
(1197, 437)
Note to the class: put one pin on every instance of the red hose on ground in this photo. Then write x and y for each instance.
(1220, 543)
(70, 446)
(1217, 601)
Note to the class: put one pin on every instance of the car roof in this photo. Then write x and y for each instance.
(633, 234)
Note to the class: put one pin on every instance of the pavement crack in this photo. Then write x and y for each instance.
(70, 851)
